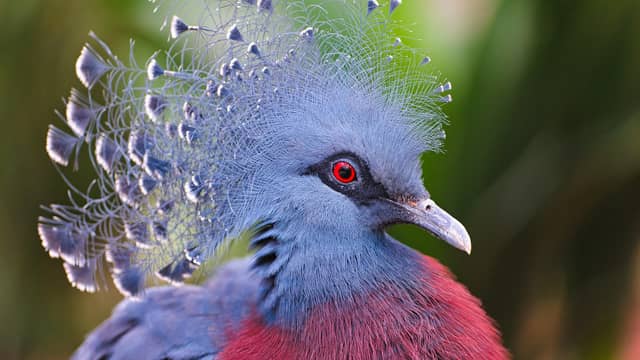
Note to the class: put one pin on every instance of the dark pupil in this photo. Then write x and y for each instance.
(345, 172)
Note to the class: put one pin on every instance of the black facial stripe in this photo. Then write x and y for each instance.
(362, 190)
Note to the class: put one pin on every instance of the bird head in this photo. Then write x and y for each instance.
(351, 164)
(282, 118)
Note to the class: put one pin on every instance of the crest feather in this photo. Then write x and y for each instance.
(177, 143)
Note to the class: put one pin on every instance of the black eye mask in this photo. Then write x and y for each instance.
(362, 189)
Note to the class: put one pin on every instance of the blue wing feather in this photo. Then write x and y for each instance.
(187, 322)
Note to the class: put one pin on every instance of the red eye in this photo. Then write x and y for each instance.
(344, 172)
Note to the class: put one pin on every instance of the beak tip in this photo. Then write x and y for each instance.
(465, 244)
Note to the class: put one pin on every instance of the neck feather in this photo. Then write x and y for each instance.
(300, 274)
(373, 299)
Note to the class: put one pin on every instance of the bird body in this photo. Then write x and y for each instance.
(306, 139)
(408, 315)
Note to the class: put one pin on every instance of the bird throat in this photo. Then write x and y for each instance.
(301, 275)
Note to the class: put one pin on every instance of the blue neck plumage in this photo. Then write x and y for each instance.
(316, 267)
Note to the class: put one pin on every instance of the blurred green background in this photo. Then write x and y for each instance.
(542, 164)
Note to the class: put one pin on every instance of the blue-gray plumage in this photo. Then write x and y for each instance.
(279, 123)
(175, 322)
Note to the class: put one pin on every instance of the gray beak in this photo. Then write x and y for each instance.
(429, 216)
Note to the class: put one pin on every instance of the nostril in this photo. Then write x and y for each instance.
(428, 205)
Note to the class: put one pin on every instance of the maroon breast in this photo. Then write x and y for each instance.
(435, 319)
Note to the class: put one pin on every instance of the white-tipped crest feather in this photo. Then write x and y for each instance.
(90, 67)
